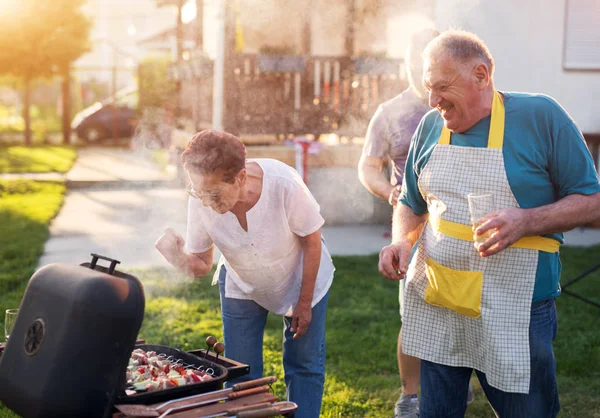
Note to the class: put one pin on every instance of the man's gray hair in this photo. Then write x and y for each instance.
(462, 47)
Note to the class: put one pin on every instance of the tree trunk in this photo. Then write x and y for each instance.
(231, 94)
(350, 28)
(306, 44)
(197, 107)
(199, 25)
(26, 109)
(179, 43)
(66, 106)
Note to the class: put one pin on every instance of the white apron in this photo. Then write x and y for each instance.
(461, 309)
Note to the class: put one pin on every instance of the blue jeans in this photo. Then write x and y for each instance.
(303, 359)
(444, 388)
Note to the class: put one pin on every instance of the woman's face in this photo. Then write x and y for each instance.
(214, 192)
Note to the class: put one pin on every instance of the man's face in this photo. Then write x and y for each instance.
(453, 91)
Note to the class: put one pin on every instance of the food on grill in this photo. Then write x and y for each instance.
(151, 371)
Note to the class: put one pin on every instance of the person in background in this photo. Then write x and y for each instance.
(387, 140)
(264, 220)
(481, 297)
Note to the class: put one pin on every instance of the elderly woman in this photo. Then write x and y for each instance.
(267, 225)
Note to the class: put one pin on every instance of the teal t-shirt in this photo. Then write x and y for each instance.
(545, 158)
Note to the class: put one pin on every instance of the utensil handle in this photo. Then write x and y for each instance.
(260, 413)
(248, 392)
(230, 396)
(235, 411)
(272, 410)
(253, 383)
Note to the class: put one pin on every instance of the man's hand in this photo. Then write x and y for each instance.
(170, 245)
(301, 319)
(507, 227)
(393, 197)
(393, 261)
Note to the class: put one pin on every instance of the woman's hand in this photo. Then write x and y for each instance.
(170, 245)
(301, 319)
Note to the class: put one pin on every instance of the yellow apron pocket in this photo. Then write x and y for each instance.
(457, 290)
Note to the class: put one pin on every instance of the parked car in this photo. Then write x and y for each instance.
(113, 117)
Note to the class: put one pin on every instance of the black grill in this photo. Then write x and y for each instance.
(70, 347)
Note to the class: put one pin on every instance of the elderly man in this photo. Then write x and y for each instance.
(388, 139)
(488, 308)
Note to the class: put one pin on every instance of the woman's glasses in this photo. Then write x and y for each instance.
(210, 196)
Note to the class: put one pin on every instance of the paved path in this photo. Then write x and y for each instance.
(115, 165)
(119, 202)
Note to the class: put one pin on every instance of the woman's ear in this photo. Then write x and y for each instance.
(242, 176)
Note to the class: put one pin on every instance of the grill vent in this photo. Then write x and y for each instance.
(35, 337)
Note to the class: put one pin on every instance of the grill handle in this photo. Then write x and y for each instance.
(253, 383)
(113, 262)
(273, 410)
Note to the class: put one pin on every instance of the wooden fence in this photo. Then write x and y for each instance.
(292, 95)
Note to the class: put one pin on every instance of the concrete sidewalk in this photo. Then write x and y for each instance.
(119, 202)
(113, 166)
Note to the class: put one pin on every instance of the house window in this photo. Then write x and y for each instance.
(582, 35)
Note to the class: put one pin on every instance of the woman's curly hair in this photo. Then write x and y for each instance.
(214, 152)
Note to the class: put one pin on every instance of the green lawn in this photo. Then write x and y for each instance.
(37, 159)
(362, 327)
(362, 318)
(26, 209)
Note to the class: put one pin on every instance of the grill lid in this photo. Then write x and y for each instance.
(69, 350)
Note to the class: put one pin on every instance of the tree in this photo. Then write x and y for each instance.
(356, 13)
(156, 90)
(40, 39)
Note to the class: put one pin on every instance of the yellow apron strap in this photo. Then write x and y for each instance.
(445, 136)
(465, 233)
(496, 136)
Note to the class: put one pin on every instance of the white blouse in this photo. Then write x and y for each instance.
(264, 264)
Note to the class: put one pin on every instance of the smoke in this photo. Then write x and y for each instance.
(343, 199)
(400, 29)
(271, 24)
(458, 14)
(164, 282)
(152, 130)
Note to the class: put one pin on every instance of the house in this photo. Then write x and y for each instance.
(116, 27)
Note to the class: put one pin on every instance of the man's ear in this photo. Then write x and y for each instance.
(482, 75)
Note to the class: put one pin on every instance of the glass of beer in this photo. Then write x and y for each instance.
(480, 207)
(9, 321)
